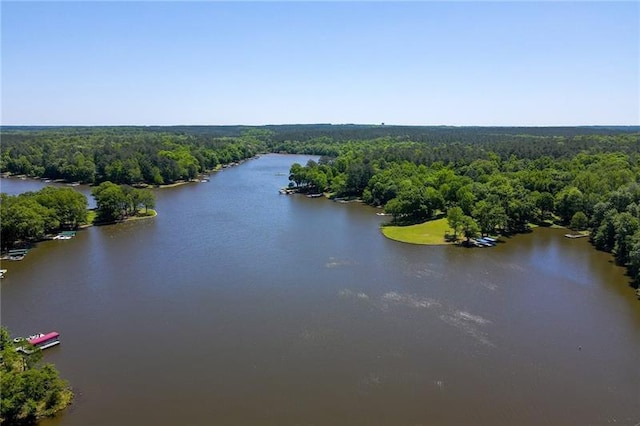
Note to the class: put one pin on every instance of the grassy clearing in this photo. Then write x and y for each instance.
(141, 214)
(429, 233)
(545, 224)
(91, 216)
(583, 233)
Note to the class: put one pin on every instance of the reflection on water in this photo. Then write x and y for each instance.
(238, 305)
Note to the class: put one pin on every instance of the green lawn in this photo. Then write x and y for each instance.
(146, 213)
(431, 232)
(141, 214)
(91, 216)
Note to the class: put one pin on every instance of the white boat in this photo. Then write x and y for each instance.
(486, 241)
(23, 339)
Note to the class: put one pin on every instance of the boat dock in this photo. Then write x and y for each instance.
(65, 235)
(483, 241)
(39, 341)
(17, 254)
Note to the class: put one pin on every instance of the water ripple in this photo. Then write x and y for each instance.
(468, 323)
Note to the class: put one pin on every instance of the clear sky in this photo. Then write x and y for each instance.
(421, 63)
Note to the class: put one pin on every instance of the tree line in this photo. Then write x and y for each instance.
(119, 155)
(162, 155)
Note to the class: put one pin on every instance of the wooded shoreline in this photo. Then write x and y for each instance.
(488, 179)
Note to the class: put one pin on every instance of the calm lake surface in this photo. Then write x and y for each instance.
(240, 306)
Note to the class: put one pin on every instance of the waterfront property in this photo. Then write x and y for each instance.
(45, 341)
(39, 340)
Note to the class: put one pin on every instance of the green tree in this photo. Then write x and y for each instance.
(626, 226)
(455, 217)
(23, 219)
(146, 198)
(489, 216)
(605, 235)
(470, 228)
(545, 203)
(69, 205)
(579, 221)
(634, 259)
(466, 199)
(297, 174)
(357, 177)
(111, 202)
(568, 202)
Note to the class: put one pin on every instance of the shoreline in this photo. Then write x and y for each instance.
(205, 174)
(150, 215)
(75, 184)
(431, 233)
(50, 237)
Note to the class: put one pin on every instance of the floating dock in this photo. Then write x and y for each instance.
(17, 254)
(65, 235)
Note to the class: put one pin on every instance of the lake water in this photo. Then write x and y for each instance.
(240, 306)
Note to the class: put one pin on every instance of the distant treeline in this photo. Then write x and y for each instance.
(161, 155)
(120, 155)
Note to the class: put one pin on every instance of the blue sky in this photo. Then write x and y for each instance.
(419, 63)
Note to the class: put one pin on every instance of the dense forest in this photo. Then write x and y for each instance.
(33, 215)
(121, 155)
(161, 155)
(494, 179)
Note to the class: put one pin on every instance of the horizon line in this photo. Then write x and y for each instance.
(382, 124)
